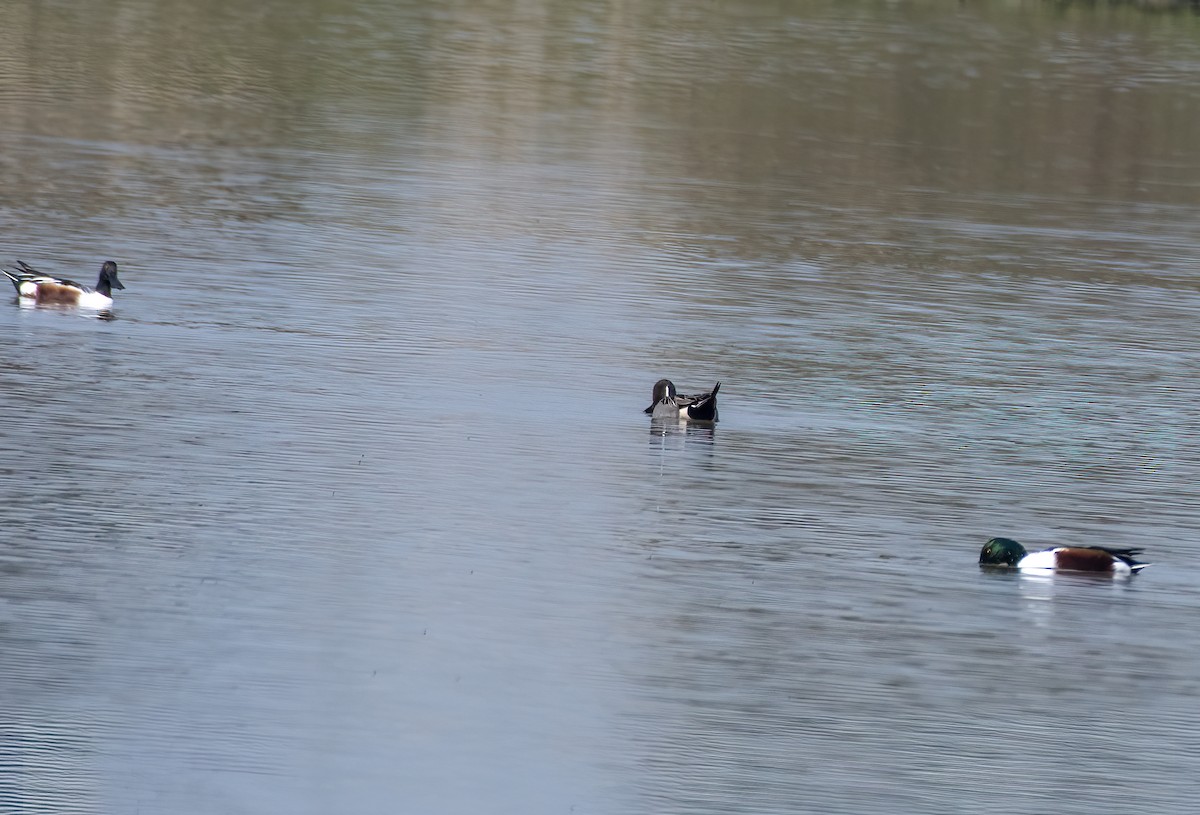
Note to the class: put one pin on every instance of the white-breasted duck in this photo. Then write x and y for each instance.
(667, 403)
(1007, 552)
(43, 288)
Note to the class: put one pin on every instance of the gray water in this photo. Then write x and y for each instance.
(351, 507)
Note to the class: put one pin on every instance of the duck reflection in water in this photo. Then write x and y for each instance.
(664, 431)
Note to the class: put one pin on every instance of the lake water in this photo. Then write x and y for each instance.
(352, 507)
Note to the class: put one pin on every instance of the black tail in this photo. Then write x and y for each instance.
(705, 408)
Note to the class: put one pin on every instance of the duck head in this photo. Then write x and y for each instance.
(1001, 552)
(108, 278)
(664, 389)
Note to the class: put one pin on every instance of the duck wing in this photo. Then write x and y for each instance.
(28, 274)
(702, 406)
(695, 399)
(19, 278)
(1128, 556)
(1121, 553)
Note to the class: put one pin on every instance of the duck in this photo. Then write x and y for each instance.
(42, 288)
(1097, 559)
(667, 403)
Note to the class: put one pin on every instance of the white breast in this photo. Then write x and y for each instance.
(666, 410)
(94, 299)
(1038, 560)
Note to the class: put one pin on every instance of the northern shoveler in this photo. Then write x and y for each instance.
(42, 288)
(668, 404)
(1007, 552)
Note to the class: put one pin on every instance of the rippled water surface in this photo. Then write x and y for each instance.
(351, 507)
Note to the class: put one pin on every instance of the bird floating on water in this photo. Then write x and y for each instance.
(42, 288)
(1096, 559)
(667, 403)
